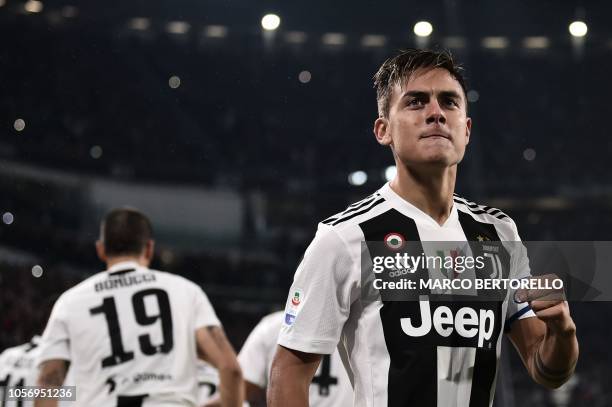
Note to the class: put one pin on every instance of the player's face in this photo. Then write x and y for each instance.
(427, 123)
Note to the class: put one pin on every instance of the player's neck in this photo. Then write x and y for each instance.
(431, 192)
(112, 261)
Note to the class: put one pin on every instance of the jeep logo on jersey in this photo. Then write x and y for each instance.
(467, 323)
(394, 241)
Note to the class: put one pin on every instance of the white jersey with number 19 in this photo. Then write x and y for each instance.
(129, 334)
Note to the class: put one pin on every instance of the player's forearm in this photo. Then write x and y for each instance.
(231, 386)
(45, 403)
(555, 358)
(52, 374)
(285, 390)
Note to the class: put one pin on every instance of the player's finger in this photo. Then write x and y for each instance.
(551, 313)
(539, 305)
(543, 287)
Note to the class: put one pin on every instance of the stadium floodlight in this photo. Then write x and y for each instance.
(495, 42)
(390, 172)
(270, 22)
(7, 218)
(139, 23)
(333, 39)
(19, 124)
(33, 6)
(215, 31)
(372, 40)
(423, 29)
(536, 42)
(578, 29)
(357, 178)
(37, 271)
(178, 27)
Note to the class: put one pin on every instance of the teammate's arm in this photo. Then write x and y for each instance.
(255, 396)
(214, 348)
(52, 374)
(547, 344)
(290, 377)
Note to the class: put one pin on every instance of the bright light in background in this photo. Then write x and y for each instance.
(357, 178)
(19, 124)
(8, 218)
(296, 37)
(390, 172)
(177, 27)
(529, 154)
(371, 40)
(536, 42)
(95, 152)
(578, 29)
(139, 23)
(305, 76)
(2, 3)
(33, 6)
(215, 31)
(270, 22)
(473, 96)
(333, 39)
(37, 271)
(495, 42)
(423, 29)
(174, 82)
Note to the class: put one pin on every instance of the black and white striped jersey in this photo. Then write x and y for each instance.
(392, 356)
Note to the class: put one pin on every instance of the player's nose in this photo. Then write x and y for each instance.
(435, 114)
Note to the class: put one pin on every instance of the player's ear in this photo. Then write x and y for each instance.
(381, 131)
(100, 250)
(468, 129)
(149, 249)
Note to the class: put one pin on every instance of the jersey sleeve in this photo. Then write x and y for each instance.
(520, 269)
(55, 341)
(205, 314)
(320, 296)
(254, 357)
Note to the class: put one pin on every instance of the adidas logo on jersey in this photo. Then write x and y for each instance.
(467, 323)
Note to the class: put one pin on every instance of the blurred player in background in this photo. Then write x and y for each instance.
(18, 368)
(399, 355)
(330, 386)
(208, 383)
(131, 334)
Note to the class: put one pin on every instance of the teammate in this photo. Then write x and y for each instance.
(330, 386)
(397, 353)
(132, 334)
(18, 369)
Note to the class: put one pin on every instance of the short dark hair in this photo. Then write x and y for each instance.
(125, 231)
(402, 66)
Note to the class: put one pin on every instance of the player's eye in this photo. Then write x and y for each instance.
(451, 102)
(415, 102)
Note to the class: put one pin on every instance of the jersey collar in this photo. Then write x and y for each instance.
(124, 265)
(412, 211)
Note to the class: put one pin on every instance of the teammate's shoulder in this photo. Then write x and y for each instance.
(355, 212)
(273, 319)
(176, 279)
(482, 213)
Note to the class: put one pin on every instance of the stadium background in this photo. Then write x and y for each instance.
(236, 141)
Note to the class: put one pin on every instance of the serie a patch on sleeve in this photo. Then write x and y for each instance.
(296, 298)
